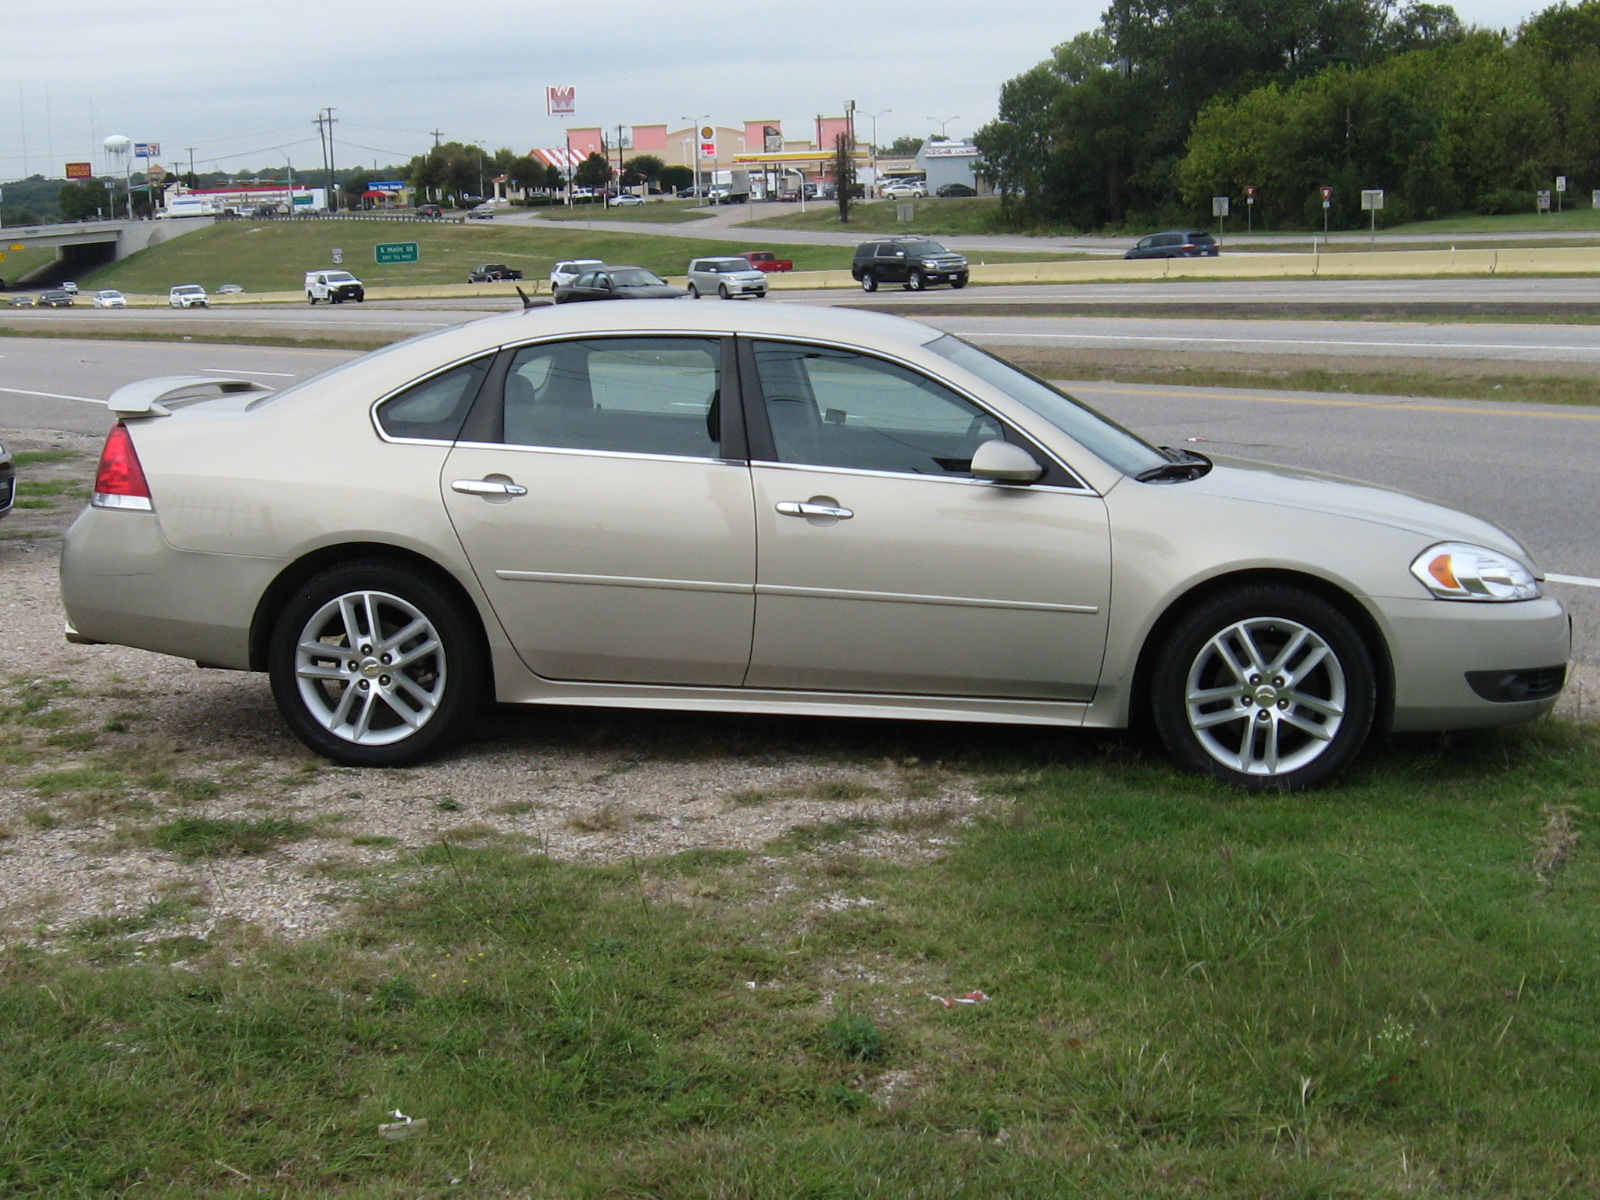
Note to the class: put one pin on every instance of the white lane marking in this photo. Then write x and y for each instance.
(54, 395)
(1131, 337)
(1575, 580)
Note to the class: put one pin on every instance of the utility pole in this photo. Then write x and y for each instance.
(333, 190)
(322, 142)
(437, 134)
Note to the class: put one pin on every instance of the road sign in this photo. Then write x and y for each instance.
(338, 257)
(1372, 199)
(1219, 206)
(396, 252)
(1327, 194)
(1561, 183)
(1249, 191)
(1544, 201)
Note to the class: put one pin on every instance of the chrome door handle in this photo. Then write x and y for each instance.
(808, 508)
(488, 487)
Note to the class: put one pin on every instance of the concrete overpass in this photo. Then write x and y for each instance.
(83, 245)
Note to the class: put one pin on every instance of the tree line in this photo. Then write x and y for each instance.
(1170, 102)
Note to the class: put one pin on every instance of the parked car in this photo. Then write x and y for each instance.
(55, 298)
(912, 260)
(617, 283)
(430, 210)
(626, 200)
(725, 277)
(230, 289)
(188, 295)
(334, 287)
(569, 269)
(902, 190)
(766, 260)
(8, 481)
(110, 298)
(1176, 243)
(481, 212)
(941, 536)
(492, 272)
(954, 189)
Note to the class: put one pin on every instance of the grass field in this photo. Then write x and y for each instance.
(1383, 990)
(274, 256)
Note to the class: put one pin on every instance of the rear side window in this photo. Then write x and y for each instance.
(643, 395)
(434, 409)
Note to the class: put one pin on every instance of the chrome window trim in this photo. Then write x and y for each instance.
(961, 480)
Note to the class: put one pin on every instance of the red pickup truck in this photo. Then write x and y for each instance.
(766, 260)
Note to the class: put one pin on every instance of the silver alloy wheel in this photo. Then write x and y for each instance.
(370, 668)
(1265, 696)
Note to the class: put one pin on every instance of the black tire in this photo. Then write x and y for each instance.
(1293, 725)
(722, 290)
(694, 292)
(869, 282)
(960, 281)
(917, 281)
(335, 684)
(311, 300)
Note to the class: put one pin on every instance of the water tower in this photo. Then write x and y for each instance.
(120, 150)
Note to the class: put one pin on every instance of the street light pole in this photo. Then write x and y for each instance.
(873, 117)
(943, 125)
(695, 132)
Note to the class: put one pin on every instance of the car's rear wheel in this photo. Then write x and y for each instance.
(374, 665)
(869, 282)
(917, 281)
(694, 292)
(1269, 688)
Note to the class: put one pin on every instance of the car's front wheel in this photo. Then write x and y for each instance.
(311, 300)
(959, 281)
(869, 282)
(1270, 688)
(722, 290)
(374, 665)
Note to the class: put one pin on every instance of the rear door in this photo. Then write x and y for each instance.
(604, 504)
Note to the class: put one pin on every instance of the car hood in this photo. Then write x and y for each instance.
(1313, 491)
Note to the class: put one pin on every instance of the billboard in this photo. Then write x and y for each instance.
(80, 170)
(561, 101)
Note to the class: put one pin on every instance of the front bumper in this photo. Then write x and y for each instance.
(1471, 666)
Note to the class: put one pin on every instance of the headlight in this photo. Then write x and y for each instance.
(1456, 571)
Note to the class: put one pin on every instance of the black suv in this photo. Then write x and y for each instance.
(1176, 243)
(911, 260)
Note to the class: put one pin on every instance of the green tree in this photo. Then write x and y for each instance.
(593, 172)
(80, 201)
(642, 168)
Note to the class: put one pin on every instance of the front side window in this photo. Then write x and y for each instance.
(838, 408)
(641, 395)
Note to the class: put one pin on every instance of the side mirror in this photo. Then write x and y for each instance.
(1002, 462)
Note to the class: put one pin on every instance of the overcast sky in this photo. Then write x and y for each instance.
(239, 85)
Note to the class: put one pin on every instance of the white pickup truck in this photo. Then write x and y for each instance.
(334, 286)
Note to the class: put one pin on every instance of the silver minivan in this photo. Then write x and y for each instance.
(725, 277)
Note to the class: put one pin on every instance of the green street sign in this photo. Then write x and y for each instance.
(396, 252)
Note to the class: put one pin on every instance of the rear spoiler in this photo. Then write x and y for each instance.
(158, 397)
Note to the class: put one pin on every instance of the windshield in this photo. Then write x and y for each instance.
(632, 277)
(1100, 435)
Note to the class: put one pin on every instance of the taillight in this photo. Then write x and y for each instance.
(120, 481)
